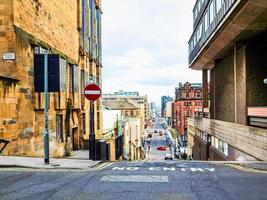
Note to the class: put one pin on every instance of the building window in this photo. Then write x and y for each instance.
(82, 81)
(218, 5)
(83, 123)
(206, 22)
(85, 25)
(211, 11)
(73, 78)
(98, 121)
(59, 128)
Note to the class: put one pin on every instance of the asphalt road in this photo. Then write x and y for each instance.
(157, 140)
(136, 181)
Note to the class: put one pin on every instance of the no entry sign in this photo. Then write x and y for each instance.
(92, 92)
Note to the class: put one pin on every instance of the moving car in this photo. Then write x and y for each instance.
(161, 148)
(169, 156)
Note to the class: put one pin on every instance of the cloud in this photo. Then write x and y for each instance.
(145, 46)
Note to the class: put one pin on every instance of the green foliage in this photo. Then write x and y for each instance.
(184, 156)
(174, 133)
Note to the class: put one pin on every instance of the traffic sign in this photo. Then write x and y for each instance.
(92, 92)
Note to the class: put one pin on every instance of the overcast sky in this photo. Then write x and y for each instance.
(145, 46)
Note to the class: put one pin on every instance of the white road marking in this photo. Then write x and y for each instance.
(196, 169)
(154, 168)
(168, 169)
(118, 168)
(135, 178)
(132, 168)
(192, 169)
(210, 169)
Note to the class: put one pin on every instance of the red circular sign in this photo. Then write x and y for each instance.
(92, 92)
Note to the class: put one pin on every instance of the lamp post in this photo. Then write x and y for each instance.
(46, 135)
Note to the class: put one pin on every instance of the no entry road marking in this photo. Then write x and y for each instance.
(135, 178)
(173, 169)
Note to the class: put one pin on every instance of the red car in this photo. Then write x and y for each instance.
(162, 148)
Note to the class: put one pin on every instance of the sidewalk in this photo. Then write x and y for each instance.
(258, 166)
(55, 163)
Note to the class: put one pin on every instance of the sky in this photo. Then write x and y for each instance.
(145, 46)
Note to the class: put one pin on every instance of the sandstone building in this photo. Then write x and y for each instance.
(71, 33)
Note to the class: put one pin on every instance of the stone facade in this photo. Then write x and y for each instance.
(28, 27)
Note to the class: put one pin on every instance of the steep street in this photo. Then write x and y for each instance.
(136, 180)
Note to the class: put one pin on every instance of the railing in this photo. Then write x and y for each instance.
(251, 140)
(216, 22)
(5, 143)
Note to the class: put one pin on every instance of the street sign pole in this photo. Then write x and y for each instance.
(92, 92)
(46, 136)
(92, 133)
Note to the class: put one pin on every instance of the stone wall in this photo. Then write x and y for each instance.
(53, 21)
(54, 25)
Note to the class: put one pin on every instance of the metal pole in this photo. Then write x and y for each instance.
(46, 136)
(92, 133)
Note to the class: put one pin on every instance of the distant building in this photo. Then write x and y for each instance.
(124, 122)
(153, 110)
(169, 112)
(188, 103)
(164, 100)
(132, 97)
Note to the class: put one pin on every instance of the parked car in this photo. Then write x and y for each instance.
(169, 156)
(161, 148)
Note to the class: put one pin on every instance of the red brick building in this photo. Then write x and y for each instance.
(188, 103)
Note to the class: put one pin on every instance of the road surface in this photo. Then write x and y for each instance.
(172, 180)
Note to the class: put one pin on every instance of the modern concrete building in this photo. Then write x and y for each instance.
(228, 44)
(71, 33)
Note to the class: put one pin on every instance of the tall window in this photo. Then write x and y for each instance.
(218, 5)
(98, 121)
(85, 25)
(59, 128)
(206, 22)
(83, 123)
(211, 11)
(73, 78)
(93, 29)
(82, 80)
